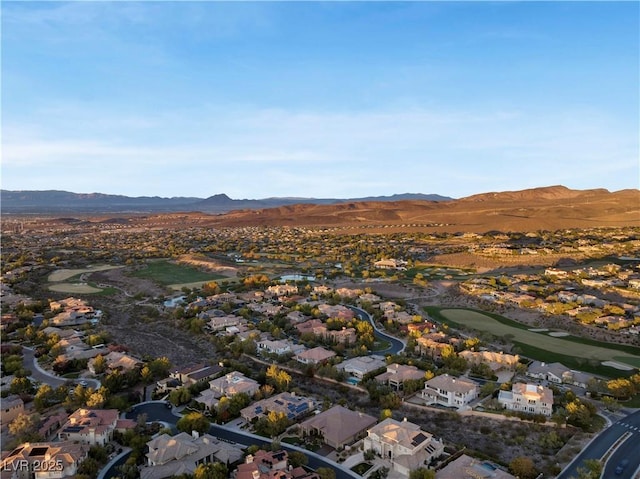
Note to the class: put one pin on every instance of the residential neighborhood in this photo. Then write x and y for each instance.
(339, 367)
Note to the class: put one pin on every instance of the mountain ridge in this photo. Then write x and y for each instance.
(59, 201)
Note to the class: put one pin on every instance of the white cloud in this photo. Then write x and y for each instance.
(271, 152)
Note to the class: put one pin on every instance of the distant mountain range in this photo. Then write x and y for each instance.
(546, 208)
(55, 202)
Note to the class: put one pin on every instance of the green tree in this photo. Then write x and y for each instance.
(326, 473)
(99, 364)
(592, 470)
(523, 468)
(24, 425)
(160, 367)
(216, 470)
(193, 421)
(297, 459)
(422, 473)
(21, 386)
(146, 375)
(44, 397)
(621, 388)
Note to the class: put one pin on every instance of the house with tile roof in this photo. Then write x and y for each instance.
(290, 404)
(403, 444)
(338, 426)
(552, 372)
(234, 383)
(116, 361)
(528, 398)
(64, 457)
(181, 454)
(397, 374)
(359, 366)
(90, 426)
(314, 356)
(450, 391)
(11, 407)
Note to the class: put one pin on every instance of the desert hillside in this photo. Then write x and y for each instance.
(549, 208)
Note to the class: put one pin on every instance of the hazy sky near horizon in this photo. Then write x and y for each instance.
(319, 99)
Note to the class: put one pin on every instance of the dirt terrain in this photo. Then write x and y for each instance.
(550, 208)
(133, 325)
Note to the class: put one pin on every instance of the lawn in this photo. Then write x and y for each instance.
(67, 274)
(362, 468)
(578, 352)
(168, 273)
(74, 288)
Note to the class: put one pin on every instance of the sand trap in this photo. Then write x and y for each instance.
(74, 288)
(559, 334)
(65, 274)
(539, 330)
(614, 364)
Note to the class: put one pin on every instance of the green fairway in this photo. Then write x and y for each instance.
(166, 273)
(576, 348)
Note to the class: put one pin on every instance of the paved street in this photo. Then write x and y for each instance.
(629, 449)
(30, 362)
(158, 411)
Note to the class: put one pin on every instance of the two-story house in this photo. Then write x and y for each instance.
(449, 391)
(403, 444)
(528, 398)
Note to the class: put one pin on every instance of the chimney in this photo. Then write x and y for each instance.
(195, 434)
(404, 419)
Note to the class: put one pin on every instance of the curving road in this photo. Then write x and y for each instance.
(598, 447)
(30, 362)
(397, 345)
(158, 411)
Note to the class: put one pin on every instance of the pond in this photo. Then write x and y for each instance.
(296, 277)
(173, 302)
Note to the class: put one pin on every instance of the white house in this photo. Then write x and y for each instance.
(448, 391)
(528, 398)
(273, 347)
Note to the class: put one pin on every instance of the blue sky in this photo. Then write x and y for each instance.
(319, 99)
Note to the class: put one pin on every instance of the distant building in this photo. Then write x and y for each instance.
(495, 361)
(391, 263)
(196, 373)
